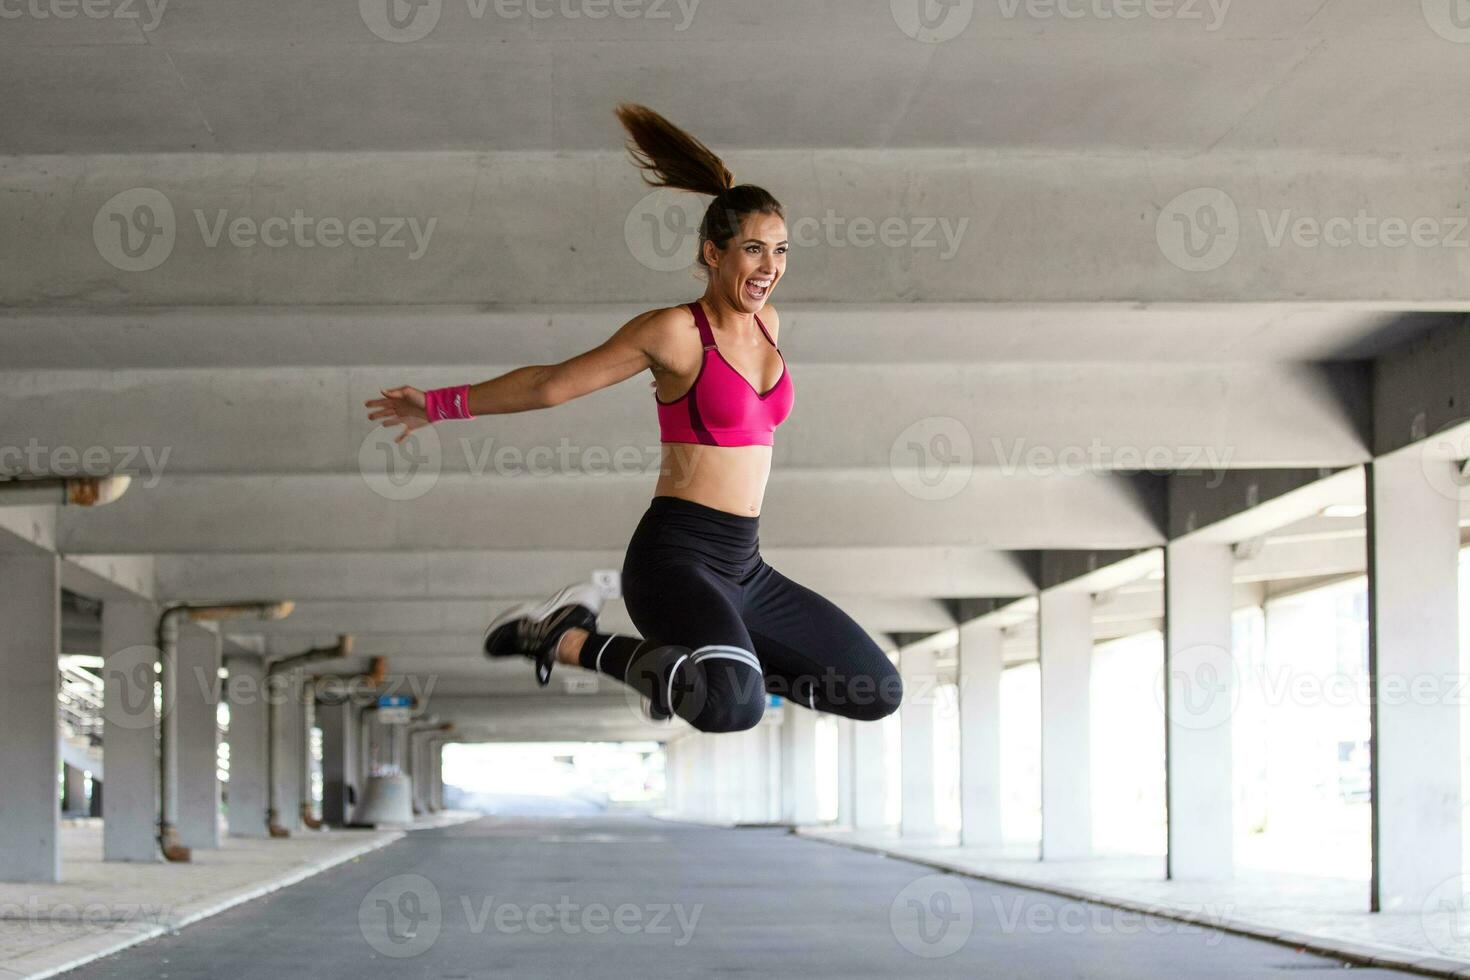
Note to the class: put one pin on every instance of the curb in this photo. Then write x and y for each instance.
(209, 908)
(1356, 953)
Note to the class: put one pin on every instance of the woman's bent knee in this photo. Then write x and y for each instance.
(731, 715)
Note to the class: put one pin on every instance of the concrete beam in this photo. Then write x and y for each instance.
(509, 574)
(1119, 220)
(1027, 420)
(803, 508)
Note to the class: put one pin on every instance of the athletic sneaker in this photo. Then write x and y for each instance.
(532, 630)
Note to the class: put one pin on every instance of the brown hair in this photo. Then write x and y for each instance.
(670, 157)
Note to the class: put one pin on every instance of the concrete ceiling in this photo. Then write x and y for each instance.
(1054, 337)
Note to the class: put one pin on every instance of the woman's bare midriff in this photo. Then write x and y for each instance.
(728, 478)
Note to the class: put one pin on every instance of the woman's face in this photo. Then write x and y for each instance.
(746, 271)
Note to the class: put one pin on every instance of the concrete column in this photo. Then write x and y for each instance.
(916, 718)
(869, 776)
(1200, 682)
(1413, 545)
(980, 668)
(775, 807)
(798, 764)
(844, 772)
(1064, 623)
(247, 693)
(289, 751)
(30, 642)
(197, 705)
(339, 766)
(129, 750)
(436, 796)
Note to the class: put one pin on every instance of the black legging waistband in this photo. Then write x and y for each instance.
(665, 504)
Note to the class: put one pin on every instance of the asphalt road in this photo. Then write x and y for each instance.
(627, 896)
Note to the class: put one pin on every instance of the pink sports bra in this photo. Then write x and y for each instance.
(722, 408)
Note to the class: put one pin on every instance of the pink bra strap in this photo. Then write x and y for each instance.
(705, 334)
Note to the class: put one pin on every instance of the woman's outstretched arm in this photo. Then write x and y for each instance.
(635, 347)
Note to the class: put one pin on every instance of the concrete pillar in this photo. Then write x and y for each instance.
(129, 752)
(798, 764)
(845, 790)
(1413, 545)
(869, 776)
(775, 807)
(197, 706)
(339, 763)
(980, 668)
(1200, 693)
(73, 791)
(289, 751)
(916, 718)
(248, 696)
(1064, 625)
(30, 757)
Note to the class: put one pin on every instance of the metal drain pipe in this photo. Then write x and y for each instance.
(168, 641)
(78, 491)
(342, 648)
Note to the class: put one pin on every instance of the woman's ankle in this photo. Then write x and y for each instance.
(569, 646)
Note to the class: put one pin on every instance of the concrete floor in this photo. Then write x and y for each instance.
(614, 896)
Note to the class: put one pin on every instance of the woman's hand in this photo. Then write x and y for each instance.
(399, 406)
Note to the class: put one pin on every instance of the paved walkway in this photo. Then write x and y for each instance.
(626, 895)
(102, 906)
(1329, 915)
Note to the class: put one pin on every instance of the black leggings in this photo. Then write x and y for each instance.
(721, 628)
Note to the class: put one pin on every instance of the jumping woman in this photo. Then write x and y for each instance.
(721, 628)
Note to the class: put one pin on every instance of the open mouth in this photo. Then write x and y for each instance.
(757, 289)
